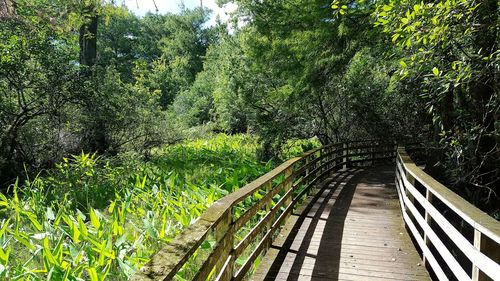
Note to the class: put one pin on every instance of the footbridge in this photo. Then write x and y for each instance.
(347, 211)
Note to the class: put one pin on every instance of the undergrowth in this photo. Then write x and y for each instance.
(90, 220)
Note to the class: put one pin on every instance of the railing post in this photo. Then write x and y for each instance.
(224, 234)
(395, 153)
(400, 183)
(269, 188)
(322, 161)
(307, 163)
(288, 185)
(345, 152)
(311, 157)
(330, 156)
(325, 151)
(372, 148)
(489, 248)
(411, 180)
(428, 219)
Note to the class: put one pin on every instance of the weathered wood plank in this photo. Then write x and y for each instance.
(165, 264)
(257, 229)
(345, 235)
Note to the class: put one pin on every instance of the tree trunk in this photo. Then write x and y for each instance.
(88, 38)
(97, 140)
(7, 9)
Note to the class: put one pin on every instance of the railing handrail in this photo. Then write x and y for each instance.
(218, 217)
(192, 237)
(483, 252)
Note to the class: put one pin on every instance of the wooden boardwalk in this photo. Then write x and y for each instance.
(352, 230)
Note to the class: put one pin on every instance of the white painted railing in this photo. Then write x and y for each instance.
(419, 193)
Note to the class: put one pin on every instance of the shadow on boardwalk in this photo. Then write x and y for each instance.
(351, 230)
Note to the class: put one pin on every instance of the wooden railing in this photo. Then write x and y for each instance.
(242, 225)
(427, 207)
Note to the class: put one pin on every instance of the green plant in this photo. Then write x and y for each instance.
(89, 220)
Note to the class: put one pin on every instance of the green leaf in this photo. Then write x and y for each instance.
(125, 267)
(75, 233)
(47, 252)
(4, 256)
(94, 220)
(111, 207)
(206, 245)
(21, 238)
(92, 274)
(382, 21)
(3, 200)
(33, 219)
(4, 227)
(435, 70)
(117, 229)
(403, 64)
(83, 227)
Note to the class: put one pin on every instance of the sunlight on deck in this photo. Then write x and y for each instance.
(353, 230)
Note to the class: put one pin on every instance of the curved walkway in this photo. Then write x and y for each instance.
(351, 230)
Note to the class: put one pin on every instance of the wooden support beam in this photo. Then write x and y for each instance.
(489, 248)
(428, 219)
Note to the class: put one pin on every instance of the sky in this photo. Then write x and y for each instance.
(141, 7)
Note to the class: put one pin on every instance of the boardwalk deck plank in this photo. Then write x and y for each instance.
(352, 230)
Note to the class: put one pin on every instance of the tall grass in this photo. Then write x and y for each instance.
(89, 220)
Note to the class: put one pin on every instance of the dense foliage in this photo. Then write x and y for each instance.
(58, 100)
(449, 50)
(55, 226)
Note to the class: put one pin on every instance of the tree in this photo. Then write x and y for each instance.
(34, 84)
(182, 52)
(215, 95)
(304, 62)
(61, 95)
(450, 51)
(120, 41)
